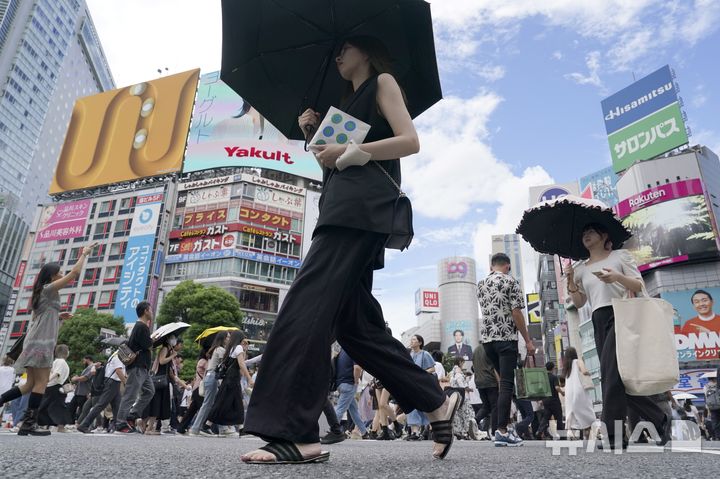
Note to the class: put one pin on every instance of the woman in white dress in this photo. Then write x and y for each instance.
(579, 413)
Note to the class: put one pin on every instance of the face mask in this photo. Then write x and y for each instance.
(172, 342)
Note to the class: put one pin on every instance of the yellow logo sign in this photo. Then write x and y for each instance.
(128, 133)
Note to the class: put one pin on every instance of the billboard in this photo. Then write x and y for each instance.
(126, 134)
(427, 301)
(549, 192)
(138, 256)
(63, 221)
(534, 308)
(692, 381)
(670, 224)
(310, 219)
(652, 136)
(697, 324)
(601, 185)
(644, 120)
(227, 132)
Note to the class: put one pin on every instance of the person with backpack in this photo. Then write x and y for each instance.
(210, 384)
(112, 375)
(712, 403)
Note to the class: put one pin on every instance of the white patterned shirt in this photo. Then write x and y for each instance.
(498, 295)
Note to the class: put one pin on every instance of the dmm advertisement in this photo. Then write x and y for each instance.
(138, 256)
(670, 224)
(126, 134)
(228, 132)
(697, 325)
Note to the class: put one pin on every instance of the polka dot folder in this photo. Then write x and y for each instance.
(340, 128)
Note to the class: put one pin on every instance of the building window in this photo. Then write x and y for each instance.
(127, 205)
(106, 300)
(91, 277)
(112, 275)
(117, 251)
(58, 256)
(106, 208)
(67, 301)
(97, 254)
(86, 300)
(122, 228)
(74, 254)
(102, 230)
(18, 329)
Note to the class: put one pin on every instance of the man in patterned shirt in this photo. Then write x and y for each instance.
(502, 303)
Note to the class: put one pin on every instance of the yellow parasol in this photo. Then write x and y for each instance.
(211, 331)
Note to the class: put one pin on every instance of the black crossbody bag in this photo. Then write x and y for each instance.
(402, 223)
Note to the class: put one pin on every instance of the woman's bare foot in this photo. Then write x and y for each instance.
(307, 450)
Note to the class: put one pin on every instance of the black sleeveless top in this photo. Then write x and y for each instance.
(361, 197)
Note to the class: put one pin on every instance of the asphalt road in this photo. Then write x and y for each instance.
(106, 456)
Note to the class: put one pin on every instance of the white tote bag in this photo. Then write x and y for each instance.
(645, 339)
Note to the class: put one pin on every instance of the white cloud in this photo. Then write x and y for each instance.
(140, 36)
(592, 61)
(636, 32)
(557, 55)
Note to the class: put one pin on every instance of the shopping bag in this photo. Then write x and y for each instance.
(531, 382)
(340, 128)
(645, 345)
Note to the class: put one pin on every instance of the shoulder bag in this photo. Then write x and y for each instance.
(160, 381)
(645, 345)
(17, 348)
(402, 224)
(126, 355)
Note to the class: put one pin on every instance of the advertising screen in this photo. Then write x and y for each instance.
(126, 134)
(601, 185)
(63, 221)
(427, 301)
(697, 323)
(533, 308)
(670, 224)
(228, 132)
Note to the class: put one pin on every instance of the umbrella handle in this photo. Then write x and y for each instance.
(309, 130)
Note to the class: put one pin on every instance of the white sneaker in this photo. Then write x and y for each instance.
(98, 430)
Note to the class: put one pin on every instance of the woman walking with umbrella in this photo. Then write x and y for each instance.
(332, 294)
(608, 274)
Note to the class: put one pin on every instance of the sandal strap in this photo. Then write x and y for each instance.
(283, 451)
(442, 431)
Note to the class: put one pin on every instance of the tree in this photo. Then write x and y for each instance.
(82, 335)
(202, 307)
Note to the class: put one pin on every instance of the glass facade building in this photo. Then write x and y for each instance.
(50, 55)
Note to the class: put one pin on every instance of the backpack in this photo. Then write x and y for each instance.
(712, 398)
(98, 381)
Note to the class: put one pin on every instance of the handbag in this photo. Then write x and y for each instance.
(586, 381)
(645, 345)
(17, 348)
(160, 381)
(126, 355)
(402, 223)
(222, 368)
(531, 382)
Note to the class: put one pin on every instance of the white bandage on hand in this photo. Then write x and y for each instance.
(353, 156)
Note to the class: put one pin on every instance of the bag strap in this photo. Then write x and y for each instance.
(527, 360)
(389, 177)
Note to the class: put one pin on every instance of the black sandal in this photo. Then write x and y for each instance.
(442, 431)
(287, 453)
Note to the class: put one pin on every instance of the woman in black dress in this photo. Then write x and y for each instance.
(159, 406)
(331, 298)
(228, 409)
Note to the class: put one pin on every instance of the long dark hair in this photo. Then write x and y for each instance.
(44, 277)
(218, 342)
(236, 337)
(378, 57)
(570, 355)
(601, 230)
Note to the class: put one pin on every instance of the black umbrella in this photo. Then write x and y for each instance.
(279, 55)
(555, 226)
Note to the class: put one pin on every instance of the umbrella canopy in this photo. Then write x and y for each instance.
(681, 396)
(279, 55)
(555, 226)
(166, 330)
(206, 338)
(116, 341)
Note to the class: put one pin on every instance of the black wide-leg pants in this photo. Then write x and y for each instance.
(615, 399)
(331, 298)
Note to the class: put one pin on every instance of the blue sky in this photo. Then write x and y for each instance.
(522, 80)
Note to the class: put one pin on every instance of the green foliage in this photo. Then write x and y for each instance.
(203, 307)
(448, 362)
(82, 335)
